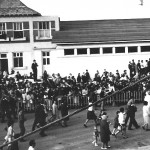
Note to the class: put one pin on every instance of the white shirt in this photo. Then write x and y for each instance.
(121, 118)
(146, 111)
(10, 135)
(142, 65)
(31, 148)
(91, 108)
(84, 92)
(54, 109)
(147, 98)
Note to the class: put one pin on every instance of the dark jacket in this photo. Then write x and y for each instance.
(64, 110)
(104, 131)
(40, 114)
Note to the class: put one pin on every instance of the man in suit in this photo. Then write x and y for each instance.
(34, 69)
(40, 118)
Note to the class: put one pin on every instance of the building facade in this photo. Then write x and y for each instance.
(101, 44)
(25, 35)
(68, 46)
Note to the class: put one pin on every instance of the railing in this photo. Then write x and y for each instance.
(79, 101)
(80, 110)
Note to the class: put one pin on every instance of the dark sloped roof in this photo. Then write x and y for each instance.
(102, 31)
(11, 8)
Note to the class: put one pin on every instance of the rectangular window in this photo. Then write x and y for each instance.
(18, 59)
(3, 55)
(132, 49)
(2, 30)
(52, 24)
(46, 58)
(94, 51)
(107, 50)
(68, 51)
(145, 48)
(81, 51)
(120, 50)
(44, 30)
(18, 30)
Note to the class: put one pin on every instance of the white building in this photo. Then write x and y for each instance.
(101, 44)
(25, 35)
(68, 46)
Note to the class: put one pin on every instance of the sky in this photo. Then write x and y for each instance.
(91, 9)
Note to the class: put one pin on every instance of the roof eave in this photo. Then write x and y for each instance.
(20, 15)
(101, 42)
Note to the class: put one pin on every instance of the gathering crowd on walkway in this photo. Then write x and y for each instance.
(21, 93)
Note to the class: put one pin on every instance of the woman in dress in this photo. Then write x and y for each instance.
(90, 114)
(105, 132)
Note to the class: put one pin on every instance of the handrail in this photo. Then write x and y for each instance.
(75, 112)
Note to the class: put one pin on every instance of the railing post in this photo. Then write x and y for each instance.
(113, 101)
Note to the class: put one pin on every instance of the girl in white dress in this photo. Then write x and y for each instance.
(146, 115)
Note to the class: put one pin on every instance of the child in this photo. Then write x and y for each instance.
(122, 125)
(99, 117)
(10, 133)
(104, 132)
(32, 145)
(116, 123)
(95, 136)
(146, 115)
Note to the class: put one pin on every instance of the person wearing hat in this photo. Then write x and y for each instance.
(34, 69)
(104, 132)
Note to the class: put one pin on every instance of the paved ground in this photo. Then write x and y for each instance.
(76, 137)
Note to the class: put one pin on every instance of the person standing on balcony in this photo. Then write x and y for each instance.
(87, 76)
(34, 69)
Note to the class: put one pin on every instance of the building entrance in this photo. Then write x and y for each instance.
(4, 65)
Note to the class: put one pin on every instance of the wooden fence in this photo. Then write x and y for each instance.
(82, 101)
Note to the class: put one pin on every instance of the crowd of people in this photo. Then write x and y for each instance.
(120, 123)
(25, 93)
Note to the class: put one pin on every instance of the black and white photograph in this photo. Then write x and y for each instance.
(74, 74)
